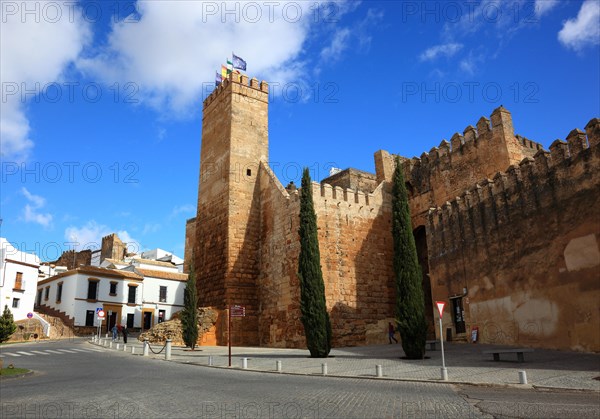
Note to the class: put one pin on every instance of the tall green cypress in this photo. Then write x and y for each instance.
(7, 324)
(317, 327)
(189, 314)
(410, 304)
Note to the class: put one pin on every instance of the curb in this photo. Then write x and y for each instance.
(398, 379)
(10, 377)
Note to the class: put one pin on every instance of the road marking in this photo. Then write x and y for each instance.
(40, 352)
(24, 353)
(67, 351)
(8, 353)
(79, 350)
(52, 351)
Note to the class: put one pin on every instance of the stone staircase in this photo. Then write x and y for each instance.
(61, 325)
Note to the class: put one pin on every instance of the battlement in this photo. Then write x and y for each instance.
(531, 174)
(250, 87)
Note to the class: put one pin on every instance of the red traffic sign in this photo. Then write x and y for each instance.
(101, 313)
(238, 311)
(29, 315)
(440, 306)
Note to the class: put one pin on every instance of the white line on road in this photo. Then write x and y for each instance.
(40, 352)
(67, 351)
(8, 353)
(24, 353)
(79, 350)
(52, 351)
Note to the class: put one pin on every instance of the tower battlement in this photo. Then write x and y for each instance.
(239, 83)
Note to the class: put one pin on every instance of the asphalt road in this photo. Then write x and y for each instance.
(92, 382)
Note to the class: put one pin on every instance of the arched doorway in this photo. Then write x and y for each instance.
(422, 253)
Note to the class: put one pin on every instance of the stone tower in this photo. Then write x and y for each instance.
(227, 225)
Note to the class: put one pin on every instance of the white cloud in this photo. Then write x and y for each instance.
(89, 236)
(151, 228)
(33, 55)
(583, 30)
(31, 213)
(542, 7)
(183, 209)
(339, 43)
(172, 51)
(447, 50)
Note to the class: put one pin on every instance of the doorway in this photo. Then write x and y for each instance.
(147, 319)
(458, 315)
(113, 316)
(422, 254)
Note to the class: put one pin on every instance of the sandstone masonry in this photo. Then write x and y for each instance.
(507, 233)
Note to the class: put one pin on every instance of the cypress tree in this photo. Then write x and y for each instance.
(317, 327)
(189, 314)
(7, 325)
(410, 304)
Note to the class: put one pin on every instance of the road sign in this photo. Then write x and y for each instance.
(101, 314)
(440, 306)
(98, 309)
(29, 315)
(238, 311)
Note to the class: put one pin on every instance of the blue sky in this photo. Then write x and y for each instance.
(102, 101)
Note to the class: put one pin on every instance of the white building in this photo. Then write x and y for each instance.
(18, 280)
(138, 298)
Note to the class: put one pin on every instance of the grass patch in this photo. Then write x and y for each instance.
(13, 371)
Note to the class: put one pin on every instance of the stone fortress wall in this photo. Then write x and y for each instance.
(495, 248)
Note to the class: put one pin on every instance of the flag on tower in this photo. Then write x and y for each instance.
(218, 78)
(229, 65)
(238, 62)
(224, 72)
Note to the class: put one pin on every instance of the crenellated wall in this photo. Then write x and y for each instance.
(454, 166)
(505, 228)
(524, 245)
(354, 240)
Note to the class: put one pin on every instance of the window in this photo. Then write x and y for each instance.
(46, 293)
(131, 296)
(19, 281)
(89, 317)
(162, 295)
(113, 288)
(92, 293)
(130, 317)
(15, 303)
(59, 292)
(39, 296)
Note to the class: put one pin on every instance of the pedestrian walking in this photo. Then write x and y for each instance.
(124, 331)
(114, 331)
(391, 332)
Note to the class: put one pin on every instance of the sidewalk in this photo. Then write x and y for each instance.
(465, 363)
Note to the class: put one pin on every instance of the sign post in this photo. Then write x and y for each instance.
(233, 311)
(100, 314)
(440, 306)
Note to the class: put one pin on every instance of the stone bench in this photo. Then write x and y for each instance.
(519, 351)
(431, 345)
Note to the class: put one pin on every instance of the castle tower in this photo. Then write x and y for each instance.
(227, 225)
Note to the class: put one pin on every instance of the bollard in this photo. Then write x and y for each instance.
(244, 363)
(106, 336)
(110, 344)
(168, 350)
(324, 368)
(124, 347)
(522, 377)
(278, 366)
(210, 361)
(378, 371)
(133, 350)
(146, 347)
(118, 346)
(444, 374)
